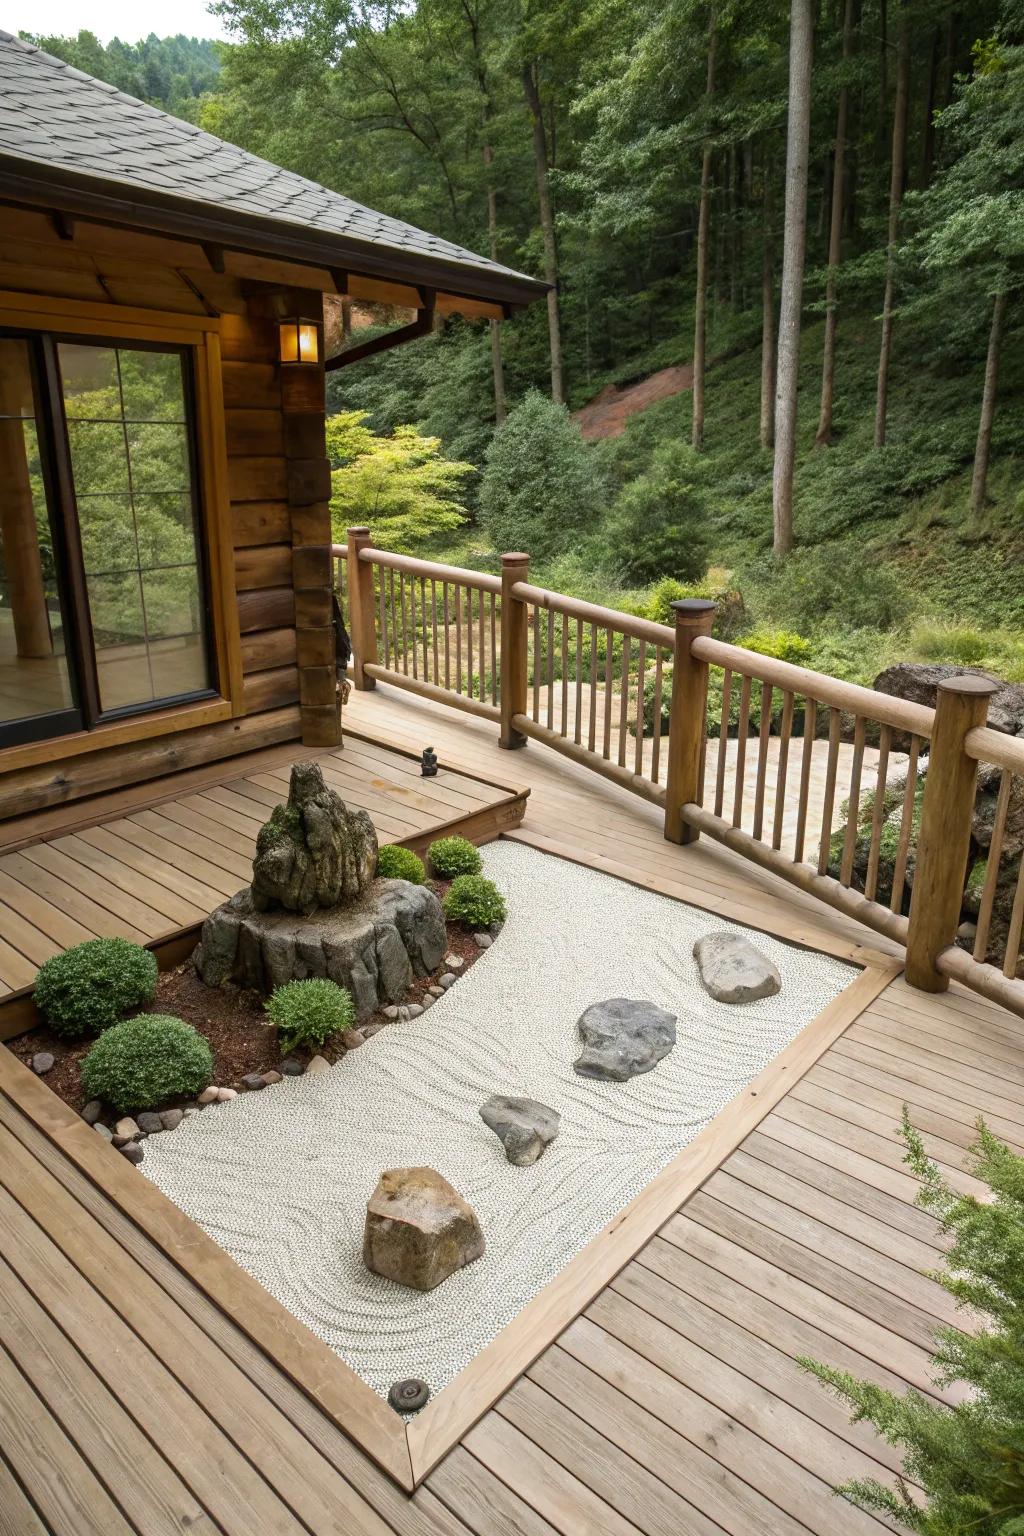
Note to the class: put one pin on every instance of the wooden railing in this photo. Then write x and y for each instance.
(831, 786)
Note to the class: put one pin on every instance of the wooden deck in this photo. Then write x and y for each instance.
(131, 1402)
(148, 862)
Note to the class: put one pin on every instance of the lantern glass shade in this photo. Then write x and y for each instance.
(298, 342)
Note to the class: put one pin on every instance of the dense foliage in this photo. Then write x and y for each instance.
(474, 901)
(397, 863)
(541, 487)
(89, 987)
(143, 1062)
(172, 72)
(308, 1013)
(400, 484)
(968, 1459)
(451, 856)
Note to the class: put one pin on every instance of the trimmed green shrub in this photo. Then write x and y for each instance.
(967, 1458)
(542, 484)
(453, 856)
(657, 525)
(144, 1061)
(307, 1013)
(397, 863)
(475, 901)
(92, 985)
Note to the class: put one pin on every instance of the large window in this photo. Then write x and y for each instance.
(102, 602)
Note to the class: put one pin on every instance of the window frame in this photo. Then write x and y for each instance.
(28, 315)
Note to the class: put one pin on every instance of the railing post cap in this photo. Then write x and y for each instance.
(692, 607)
(970, 683)
(515, 557)
(357, 532)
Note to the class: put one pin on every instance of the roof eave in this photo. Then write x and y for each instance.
(96, 197)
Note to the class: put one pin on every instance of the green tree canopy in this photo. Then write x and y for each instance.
(399, 485)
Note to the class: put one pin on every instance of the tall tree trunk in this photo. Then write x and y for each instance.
(979, 479)
(899, 157)
(497, 366)
(767, 317)
(928, 127)
(547, 227)
(700, 309)
(801, 43)
(835, 238)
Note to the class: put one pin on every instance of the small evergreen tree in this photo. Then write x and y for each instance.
(542, 486)
(400, 486)
(658, 522)
(969, 1459)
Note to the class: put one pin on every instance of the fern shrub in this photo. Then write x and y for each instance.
(475, 901)
(397, 863)
(145, 1061)
(968, 1459)
(92, 985)
(453, 856)
(308, 1013)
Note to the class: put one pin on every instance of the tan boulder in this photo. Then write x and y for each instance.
(419, 1230)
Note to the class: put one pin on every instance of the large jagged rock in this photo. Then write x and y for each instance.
(733, 970)
(918, 681)
(419, 1230)
(374, 946)
(523, 1126)
(622, 1038)
(313, 852)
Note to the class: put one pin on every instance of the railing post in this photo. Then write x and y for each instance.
(943, 839)
(514, 648)
(362, 620)
(687, 729)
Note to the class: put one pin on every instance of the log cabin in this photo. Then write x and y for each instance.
(165, 562)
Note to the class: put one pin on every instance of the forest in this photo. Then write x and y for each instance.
(813, 214)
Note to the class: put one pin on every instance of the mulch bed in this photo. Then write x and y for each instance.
(232, 1019)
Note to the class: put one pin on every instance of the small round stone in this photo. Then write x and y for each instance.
(483, 940)
(150, 1122)
(392, 1012)
(103, 1130)
(413, 1010)
(408, 1396)
(292, 1067)
(92, 1111)
(447, 980)
(208, 1095)
(253, 1081)
(435, 991)
(42, 1061)
(225, 1095)
(170, 1119)
(270, 1078)
(352, 1039)
(133, 1152)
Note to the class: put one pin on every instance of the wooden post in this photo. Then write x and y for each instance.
(362, 621)
(943, 840)
(687, 729)
(514, 649)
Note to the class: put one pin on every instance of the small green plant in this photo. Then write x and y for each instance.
(453, 856)
(968, 1459)
(397, 863)
(92, 985)
(308, 1013)
(144, 1061)
(475, 901)
(961, 644)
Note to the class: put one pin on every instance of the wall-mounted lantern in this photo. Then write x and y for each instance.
(298, 341)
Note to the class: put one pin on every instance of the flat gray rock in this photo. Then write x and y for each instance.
(623, 1038)
(733, 970)
(523, 1126)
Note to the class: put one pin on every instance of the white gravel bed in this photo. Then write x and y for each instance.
(280, 1178)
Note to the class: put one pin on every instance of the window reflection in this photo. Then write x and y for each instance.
(34, 678)
(128, 438)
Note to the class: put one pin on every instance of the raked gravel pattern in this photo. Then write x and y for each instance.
(280, 1178)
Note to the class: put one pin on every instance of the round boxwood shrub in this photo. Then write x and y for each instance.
(309, 1012)
(92, 985)
(453, 856)
(144, 1061)
(397, 863)
(475, 901)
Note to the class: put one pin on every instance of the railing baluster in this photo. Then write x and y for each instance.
(853, 819)
(785, 732)
(767, 696)
(458, 638)
(536, 663)
(564, 722)
(835, 725)
(412, 605)
(383, 619)
(659, 664)
(638, 755)
(578, 737)
(1013, 937)
(494, 651)
(609, 670)
(395, 649)
(806, 764)
(878, 813)
(551, 669)
(995, 849)
(723, 741)
(433, 620)
(592, 731)
(405, 626)
(483, 647)
(624, 700)
(899, 873)
(469, 641)
(447, 639)
(741, 752)
(423, 622)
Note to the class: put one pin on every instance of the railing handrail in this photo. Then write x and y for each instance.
(432, 570)
(339, 551)
(593, 613)
(986, 745)
(900, 714)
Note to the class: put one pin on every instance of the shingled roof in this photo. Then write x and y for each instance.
(111, 155)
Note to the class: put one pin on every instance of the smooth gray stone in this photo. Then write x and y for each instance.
(523, 1126)
(733, 970)
(623, 1037)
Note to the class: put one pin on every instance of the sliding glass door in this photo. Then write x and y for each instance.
(104, 604)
